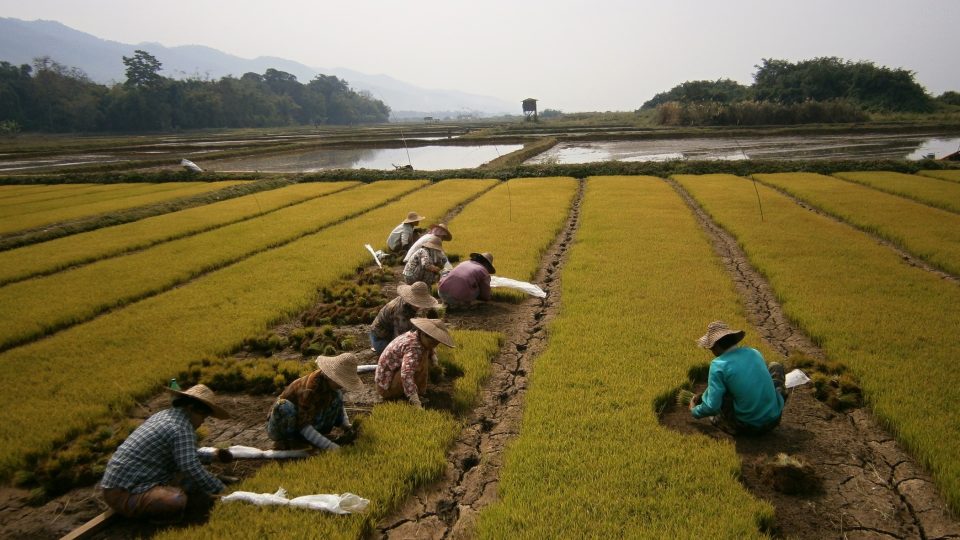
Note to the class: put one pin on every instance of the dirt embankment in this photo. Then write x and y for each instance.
(864, 484)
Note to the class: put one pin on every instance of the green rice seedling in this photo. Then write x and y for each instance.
(932, 191)
(102, 365)
(683, 397)
(893, 324)
(399, 449)
(516, 221)
(592, 460)
(37, 217)
(952, 175)
(48, 257)
(929, 233)
(84, 292)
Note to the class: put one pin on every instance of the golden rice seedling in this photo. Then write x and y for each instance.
(105, 192)
(516, 221)
(82, 293)
(47, 257)
(932, 191)
(894, 325)
(952, 175)
(929, 233)
(17, 190)
(683, 397)
(399, 449)
(35, 215)
(592, 460)
(31, 194)
(105, 364)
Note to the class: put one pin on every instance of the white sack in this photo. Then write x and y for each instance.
(796, 378)
(190, 166)
(366, 368)
(337, 504)
(529, 288)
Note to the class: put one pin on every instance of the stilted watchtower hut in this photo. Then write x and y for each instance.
(530, 109)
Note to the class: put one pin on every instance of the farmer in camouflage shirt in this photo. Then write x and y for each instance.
(394, 318)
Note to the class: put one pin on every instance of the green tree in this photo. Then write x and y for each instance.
(143, 69)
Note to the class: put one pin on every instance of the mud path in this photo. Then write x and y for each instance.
(869, 487)
(449, 507)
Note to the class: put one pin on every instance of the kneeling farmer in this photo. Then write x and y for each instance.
(743, 395)
(403, 367)
(139, 477)
(312, 405)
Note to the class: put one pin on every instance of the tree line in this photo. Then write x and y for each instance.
(51, 97)
(789, 91)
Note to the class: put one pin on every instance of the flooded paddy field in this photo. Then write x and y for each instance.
(815, 147)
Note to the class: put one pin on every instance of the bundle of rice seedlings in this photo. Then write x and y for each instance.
(683, 397)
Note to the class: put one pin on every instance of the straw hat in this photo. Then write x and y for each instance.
(445, 233)
(341, 369)
(205, 395)
(433, 243)
(417, 295)
(413, 217)
(434, 328)
(716, 331)
(486, 259)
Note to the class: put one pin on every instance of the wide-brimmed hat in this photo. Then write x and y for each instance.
(445, 233)
(413, 217)
(716, 331)
(341, 369)
(486, 259)
(205, 395)
(434, 328)
(417, 295)
(433, 243)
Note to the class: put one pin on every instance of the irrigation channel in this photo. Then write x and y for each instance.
(867, 485)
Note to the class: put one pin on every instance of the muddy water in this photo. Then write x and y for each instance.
(424, 158)
(806, 147)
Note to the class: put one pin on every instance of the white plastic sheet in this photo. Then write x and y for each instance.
(796, 378)
(190, 166)
(366, 368)
(249, 452)
(529, 288)
(375, 258)
(346, 503)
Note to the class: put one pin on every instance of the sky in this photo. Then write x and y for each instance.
(572, 55)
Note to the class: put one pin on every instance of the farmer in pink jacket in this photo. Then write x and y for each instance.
(468, 282)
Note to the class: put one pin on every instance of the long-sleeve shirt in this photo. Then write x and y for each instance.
(403, 354)
(742, 373)
(162, 446)
(400, 236)
(417, 267)
(467, 282)
(392, 320)
(416, 245)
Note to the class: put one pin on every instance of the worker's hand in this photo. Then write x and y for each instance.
(415, 401)
(224, 455)
(693, 403)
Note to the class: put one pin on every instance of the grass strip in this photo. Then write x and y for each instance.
(69, 382)
(929, 233)
(10, 223)
(935, 192)
(592, 460)
(893, 324)
(84, 292)
(48, 257)
(516, 221)
(400, 448)
(953, 176)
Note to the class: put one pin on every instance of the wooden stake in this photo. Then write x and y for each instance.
(91, 526)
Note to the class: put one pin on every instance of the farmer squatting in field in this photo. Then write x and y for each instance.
(468, 282)
(312, 405)
(437, 230)
(404, 234)
(393, 319)
(426, 264)
(402, 368)
(743, 395)
(140, 477)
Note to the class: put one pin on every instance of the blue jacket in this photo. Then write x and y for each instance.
(742, 373)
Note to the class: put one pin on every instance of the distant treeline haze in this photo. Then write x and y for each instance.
(825, 89)
(54, 98)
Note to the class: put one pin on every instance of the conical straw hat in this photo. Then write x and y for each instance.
(341, 369)
(417, 295)
(716, 331)
(413, 217)
(436, 329)
(433, 243)
(445, 233)
(486, 259)
(205, 395)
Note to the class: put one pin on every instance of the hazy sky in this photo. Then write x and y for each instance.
(571, 55)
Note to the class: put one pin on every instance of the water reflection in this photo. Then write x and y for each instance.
(424, 158)
(806, 147)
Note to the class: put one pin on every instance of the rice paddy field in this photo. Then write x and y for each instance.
(242, 293)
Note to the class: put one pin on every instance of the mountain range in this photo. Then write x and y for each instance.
(22, 41)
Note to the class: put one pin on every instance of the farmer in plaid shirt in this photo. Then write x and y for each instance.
(139, 477)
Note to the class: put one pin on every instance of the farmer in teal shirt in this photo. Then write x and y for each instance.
(743, 395)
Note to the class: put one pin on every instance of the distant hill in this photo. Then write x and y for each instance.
(22, 41)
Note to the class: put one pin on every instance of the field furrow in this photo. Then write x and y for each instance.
(10, 223)
(893, 324)
(929, 233)
(54, 255)
(157, 337)
(925, 189)
(592, 460)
